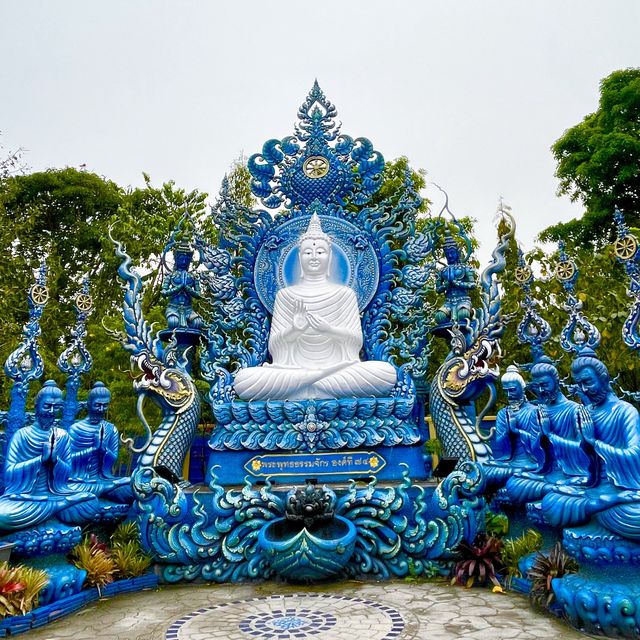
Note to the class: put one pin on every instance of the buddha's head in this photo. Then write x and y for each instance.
(314, 249)
(98, 403)
(513, 384)
(545, 381)
(48, 405)
(592, 376)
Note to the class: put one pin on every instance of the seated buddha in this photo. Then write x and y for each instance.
(516, 443)
(36, 473)
(315, 338)
(612, 438)
(94, 449)
(561, 421)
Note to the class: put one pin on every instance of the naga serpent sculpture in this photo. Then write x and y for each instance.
(471, 367)
(164, 380)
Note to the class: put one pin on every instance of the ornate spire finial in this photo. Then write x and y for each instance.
(533, 329)
(314, 231)
(578, 332)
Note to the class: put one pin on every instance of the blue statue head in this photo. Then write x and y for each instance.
(98, 401)
(48, 404)
(451, 249)
(183, 253)
(513, 385)
(592, 376)
(545, 380)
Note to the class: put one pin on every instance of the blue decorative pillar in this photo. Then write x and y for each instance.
(76, 360)
(25, 364)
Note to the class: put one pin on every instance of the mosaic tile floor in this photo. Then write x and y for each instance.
(291, 617)
(344, 611)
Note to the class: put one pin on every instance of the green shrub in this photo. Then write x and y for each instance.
(19, 589)
(96, 561)
(556, 564)
(496, 524)
(516, 548)
(125, 532)
(130, 561)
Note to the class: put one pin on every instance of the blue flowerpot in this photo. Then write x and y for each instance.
(299, 553)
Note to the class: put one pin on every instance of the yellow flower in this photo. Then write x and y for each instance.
(256, 465)
(374, 461)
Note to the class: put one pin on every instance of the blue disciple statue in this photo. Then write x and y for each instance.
(561, 422)
(456, 280)
(181, 286)
(37, 468)
(94, 450)
(612, 438)
(516, 442)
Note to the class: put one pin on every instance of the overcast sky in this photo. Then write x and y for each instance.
(475, 92)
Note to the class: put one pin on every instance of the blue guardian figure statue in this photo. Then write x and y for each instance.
(456, 280)
(94, 450)
(180, 287)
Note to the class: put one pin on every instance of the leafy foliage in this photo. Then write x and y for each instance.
(19, 589)
(515, 549)
(129, 560)
(433, 446)
(556, 564)
(124, 533)
(599, 162)
(496, 524)
(478, 561)
(96, 560)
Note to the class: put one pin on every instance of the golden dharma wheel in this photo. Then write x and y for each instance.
(84, 302)
(39, 294)
(625, 248)
(565, 270)
(523, 273)
(315, 167)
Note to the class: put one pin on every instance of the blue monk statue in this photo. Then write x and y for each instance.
(516, 443)
(561, 421)
(612, 440)
(36, 473)
(94, 450)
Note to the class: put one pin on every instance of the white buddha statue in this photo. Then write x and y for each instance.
(315, 338)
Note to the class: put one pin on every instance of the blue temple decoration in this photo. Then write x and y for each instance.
(532, 329)
(456, 279)
(627, 252)
(578, 332)
(95, 444)
(25, 364)
(76, 360)
(471, 366)
(322, 183)
(228, 535)
(164, 379)
(517, 442)
(316, 172)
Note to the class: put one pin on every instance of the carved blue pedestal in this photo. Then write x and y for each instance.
(329, 440)
(214, 534)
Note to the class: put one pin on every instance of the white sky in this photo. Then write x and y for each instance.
(473, 91)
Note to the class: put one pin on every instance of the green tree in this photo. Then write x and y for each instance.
(599, 163)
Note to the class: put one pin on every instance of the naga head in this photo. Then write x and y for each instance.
(466, 375)
(169, 387)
